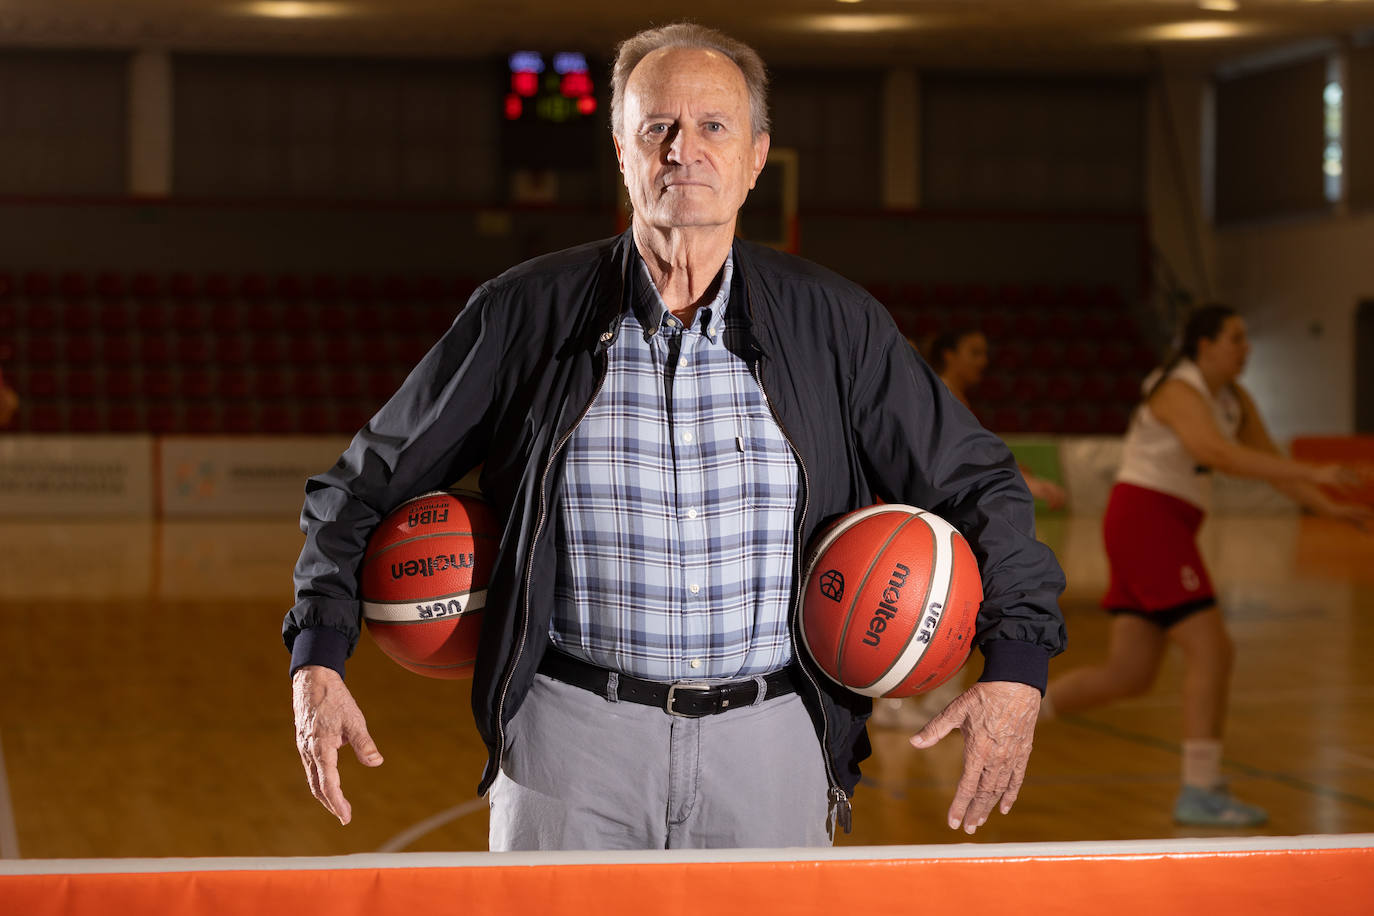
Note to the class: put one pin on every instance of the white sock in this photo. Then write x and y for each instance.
(1046, 707)
(1202, 762)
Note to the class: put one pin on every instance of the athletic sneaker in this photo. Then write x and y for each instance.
(1215, 808)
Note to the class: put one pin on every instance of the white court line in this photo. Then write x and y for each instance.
(1190, 847)
(403, 839)
(9, 836)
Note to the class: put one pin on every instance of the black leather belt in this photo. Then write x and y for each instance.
(691, 699)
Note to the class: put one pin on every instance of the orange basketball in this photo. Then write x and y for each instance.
(424, 581)
(891, 601)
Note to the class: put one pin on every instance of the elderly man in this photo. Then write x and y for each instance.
(665, 419)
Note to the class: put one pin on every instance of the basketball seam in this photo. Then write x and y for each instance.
(424, 537)
(930, 578)
(849, 615)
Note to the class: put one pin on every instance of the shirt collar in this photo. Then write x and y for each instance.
(653, 313)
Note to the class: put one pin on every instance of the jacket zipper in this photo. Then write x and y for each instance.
(837, 798)
(529, 562)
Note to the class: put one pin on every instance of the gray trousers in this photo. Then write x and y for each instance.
(581, 772)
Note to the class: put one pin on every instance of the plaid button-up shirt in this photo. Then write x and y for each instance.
(675, 550)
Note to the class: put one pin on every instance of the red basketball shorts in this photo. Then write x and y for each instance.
(1151, 540)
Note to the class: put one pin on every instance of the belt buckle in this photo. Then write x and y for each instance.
(672, 691)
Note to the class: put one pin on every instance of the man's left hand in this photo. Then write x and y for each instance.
(997, 719)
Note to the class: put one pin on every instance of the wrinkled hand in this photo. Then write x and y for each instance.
(327, 718)
(997, 719)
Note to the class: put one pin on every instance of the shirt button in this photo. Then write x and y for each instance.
(686, 437)
(694, 588)
(696, 663)
(691, 513)
(682, 361)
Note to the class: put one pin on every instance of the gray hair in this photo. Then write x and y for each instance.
(690, 35)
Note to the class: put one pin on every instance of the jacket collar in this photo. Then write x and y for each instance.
(614, 293)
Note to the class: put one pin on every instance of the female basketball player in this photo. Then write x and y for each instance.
(1194, 419)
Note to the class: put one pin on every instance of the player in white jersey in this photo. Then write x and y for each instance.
(1194, 419)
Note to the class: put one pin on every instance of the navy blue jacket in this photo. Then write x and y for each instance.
(522, 363)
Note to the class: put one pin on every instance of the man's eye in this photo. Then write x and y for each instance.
(715, 126)
(657, 129)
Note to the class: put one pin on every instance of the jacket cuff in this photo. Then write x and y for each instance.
(1013, 660)
(319, 646)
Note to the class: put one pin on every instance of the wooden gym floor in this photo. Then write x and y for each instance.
(145, 710)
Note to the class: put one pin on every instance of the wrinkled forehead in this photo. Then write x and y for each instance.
(695, 76)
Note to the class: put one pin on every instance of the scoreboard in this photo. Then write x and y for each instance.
(551, 115)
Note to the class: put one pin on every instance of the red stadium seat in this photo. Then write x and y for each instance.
(241, 419)
(1028, 387)
(181, 286)
(43, 417)
(197, 383)
(154, 350)
(319, 418)
(125, 418)
(289, 287)
(85, 418)
(277, 419)
(151, 317)
(1081, 419)
(9, 316)
(234, 383)
(217, 287)
(40, 316)
(118, 349)
(73, 286)
(188, 317)
(253, 287)
(261, 318)
(6, 286)
(109, 286)
(205, 418)
(360, 288)
(307, 384)
(1097, 386)
(1063, 387)
(165, 417)
(269, 383)
(1012, 295)
(144, 287)
(191, 349)
(1082, 355)
(39, 382)
(1045, 418)
(1113, 419)
(41, 348)
(77, 317)
(1007, 419)
(396, 288)
(324, 288)
(79, 348)
(36, 285)
(230, 350)
(80, 383)
(120, 383)
(114, 318)
(158, 383)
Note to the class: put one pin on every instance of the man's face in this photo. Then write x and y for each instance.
(686, 144)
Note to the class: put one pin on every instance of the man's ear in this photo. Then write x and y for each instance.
(619, 153)
(761, 144)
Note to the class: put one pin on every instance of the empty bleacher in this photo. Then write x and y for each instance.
(249, 353)
(218, 353)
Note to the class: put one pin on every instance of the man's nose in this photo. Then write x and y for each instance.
(683, 146)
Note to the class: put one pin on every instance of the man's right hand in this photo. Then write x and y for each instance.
(326, 720)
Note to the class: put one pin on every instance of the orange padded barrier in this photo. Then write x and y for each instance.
(1355, 451)
(1329, 881)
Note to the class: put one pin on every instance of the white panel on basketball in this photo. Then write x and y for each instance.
(936, 601)
(409, 611)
